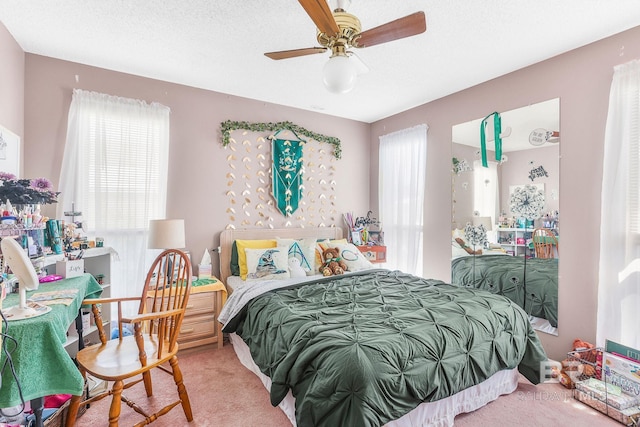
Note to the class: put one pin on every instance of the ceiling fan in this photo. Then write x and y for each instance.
(339, 31)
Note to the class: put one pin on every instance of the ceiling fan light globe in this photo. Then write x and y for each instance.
(339, 74)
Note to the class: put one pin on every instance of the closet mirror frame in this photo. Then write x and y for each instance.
(528, 154)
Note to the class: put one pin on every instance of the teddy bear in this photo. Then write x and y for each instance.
(333, 264)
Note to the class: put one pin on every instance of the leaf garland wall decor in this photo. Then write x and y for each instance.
(229, 126)
(249, 179)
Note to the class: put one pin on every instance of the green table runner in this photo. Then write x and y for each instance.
(42, 364)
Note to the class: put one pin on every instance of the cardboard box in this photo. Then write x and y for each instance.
(621, 372)
(608, 393)
(622, 350)
(628, 368)
(627, 416)
(71, 268)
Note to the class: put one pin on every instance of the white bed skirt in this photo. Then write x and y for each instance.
(433, 414)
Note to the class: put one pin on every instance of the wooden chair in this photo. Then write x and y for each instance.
(545, 243)
(153, 343)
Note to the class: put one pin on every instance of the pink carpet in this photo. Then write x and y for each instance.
(224, 393)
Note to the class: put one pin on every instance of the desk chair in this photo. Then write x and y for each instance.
(153, 343)
(545, 243)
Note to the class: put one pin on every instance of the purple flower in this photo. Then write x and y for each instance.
(41, 184)
(27, 191)
(6, 176)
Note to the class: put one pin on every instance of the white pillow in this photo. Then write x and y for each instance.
(354, 259)
(458, 232)
(457, 251)
(267, 263)
(303, 250)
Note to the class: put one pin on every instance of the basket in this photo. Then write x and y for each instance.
(59, 417)
(583, 364)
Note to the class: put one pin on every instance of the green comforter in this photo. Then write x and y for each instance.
(505, 275)
(364, 349)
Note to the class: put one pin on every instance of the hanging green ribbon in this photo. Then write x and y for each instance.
(287, 174)
(497, 130)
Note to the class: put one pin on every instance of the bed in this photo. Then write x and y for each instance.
(375, 347)
(505, 275)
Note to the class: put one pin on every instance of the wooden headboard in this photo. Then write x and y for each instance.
(227, 238)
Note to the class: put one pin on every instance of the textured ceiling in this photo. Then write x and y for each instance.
(219, 45)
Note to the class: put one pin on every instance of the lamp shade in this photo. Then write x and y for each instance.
(166, 234)
(483, 220)
(339, 74)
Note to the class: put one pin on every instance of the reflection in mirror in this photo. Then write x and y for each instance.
(519, 257)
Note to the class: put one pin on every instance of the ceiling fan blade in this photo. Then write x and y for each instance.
(284, 54)
(400, 28)
(319, 12)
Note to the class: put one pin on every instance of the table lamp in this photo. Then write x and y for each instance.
(166, 234)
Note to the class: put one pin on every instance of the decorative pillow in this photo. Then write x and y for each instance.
(250, 244)
(353, 257)
(303, 250)
(235, 267)
(267, 263)
(457, 251)
(323, 244)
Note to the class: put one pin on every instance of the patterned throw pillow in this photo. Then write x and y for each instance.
(267, 263)
(242, 245)
(303, 250)
(353, 257)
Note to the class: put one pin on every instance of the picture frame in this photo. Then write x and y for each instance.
(356, 238)
(376, 237)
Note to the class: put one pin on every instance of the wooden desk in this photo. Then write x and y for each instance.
(42, 365)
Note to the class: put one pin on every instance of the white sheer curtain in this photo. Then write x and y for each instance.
(114, 171)
(619, 284)
(403, 162)
(485, 189)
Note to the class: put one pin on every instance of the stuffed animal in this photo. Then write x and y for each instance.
(333, 264)
(295, 269)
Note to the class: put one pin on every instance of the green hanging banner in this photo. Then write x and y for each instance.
(497, 130)
(287, 174)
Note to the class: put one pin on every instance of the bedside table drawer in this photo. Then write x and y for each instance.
(197, 327)
(200, 304)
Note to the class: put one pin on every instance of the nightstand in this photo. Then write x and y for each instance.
(375, 254)
(200, 325)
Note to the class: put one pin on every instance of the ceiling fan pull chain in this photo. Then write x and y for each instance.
(497, 130)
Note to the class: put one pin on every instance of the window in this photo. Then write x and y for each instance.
(115, 172)
(485, 190)
(403, 159)
(619, 281)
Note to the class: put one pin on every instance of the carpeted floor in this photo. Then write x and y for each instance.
(224, 393)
